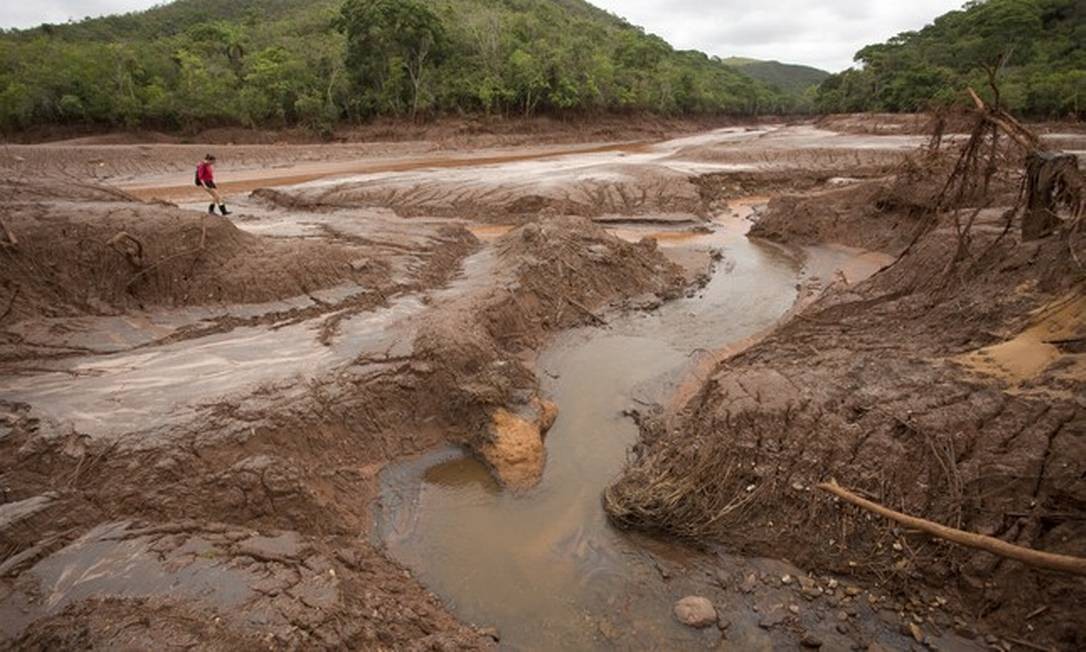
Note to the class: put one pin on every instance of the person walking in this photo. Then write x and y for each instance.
(205, 177)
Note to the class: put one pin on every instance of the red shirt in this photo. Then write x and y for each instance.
(205, 172)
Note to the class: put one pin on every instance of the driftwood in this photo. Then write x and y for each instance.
(1046, 560)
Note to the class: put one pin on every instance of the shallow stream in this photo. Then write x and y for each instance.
(545, 567)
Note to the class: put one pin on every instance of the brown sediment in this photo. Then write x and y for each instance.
(218, 397)
(1054, 338)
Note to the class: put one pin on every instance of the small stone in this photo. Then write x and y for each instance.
(786, 580)
(722, 579)
(771, 619)
(491, 633)
(917, 633)
(853, 591)
(842, 616)
(750, 582)
(842, 628)
(811, 641)
(695, 611)
(794, 609)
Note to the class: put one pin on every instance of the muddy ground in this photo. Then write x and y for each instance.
(195, 409)
(949, 386)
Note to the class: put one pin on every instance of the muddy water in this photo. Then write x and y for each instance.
(545, 567)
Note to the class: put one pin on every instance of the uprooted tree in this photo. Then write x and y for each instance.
(1053, 180)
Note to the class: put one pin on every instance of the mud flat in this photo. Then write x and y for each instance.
(198, 415)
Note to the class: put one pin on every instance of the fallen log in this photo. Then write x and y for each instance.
(1046, 560)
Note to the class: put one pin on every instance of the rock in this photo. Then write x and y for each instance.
(772, 618)
(853, 591)
(491, 633)
(695, 611)
(916, 632)
(722, 579)
(750, 582)
(811, 641)
(794, 609)
(786, 580)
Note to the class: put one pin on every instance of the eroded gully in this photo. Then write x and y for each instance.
(545, 567)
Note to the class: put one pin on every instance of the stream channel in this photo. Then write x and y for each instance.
(545, 567)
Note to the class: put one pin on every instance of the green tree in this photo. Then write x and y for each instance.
(390, 46)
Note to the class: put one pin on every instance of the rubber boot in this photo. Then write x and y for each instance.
(222, 209)
(211, 209)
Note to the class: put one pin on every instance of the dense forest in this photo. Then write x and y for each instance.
(1034, 51)
(316, 63)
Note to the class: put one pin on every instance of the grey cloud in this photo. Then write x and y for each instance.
(823, 33)
(16, 13)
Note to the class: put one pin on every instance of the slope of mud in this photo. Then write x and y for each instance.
(879, 386)
(217, 461)
(89, 252)
(554, 275)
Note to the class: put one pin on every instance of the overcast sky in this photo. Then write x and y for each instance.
(822, 33)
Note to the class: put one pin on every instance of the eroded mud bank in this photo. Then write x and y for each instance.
(927, 388)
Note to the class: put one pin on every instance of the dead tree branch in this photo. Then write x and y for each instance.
(1038, 559)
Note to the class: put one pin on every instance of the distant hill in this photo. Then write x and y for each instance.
(790, 78)
(193, 64)
(1036, 48)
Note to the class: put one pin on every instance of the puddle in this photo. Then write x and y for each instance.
(545, 567)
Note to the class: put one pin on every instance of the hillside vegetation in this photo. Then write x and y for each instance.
(1036, 49)
(281, 63)
(788, 77)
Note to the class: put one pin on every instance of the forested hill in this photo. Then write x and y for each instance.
(280, 63)
(789, 77)
(1036, 49)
